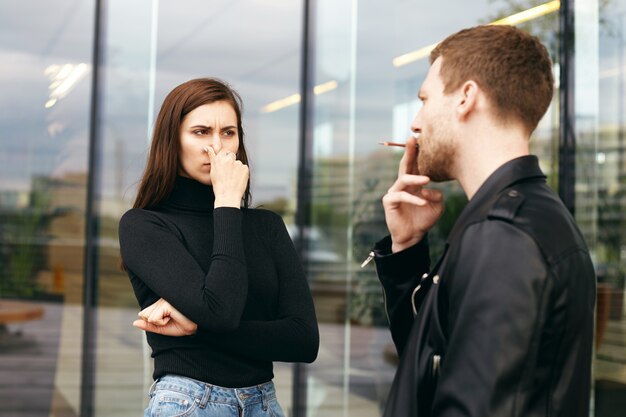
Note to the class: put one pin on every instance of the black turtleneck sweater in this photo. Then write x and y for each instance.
(234, 272)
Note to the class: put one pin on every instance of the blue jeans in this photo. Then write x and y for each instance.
(177, 396)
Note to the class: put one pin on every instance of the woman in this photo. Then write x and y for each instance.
(222, 292)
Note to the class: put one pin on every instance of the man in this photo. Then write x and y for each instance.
(502, 324)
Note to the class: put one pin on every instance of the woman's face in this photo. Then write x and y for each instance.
(214, 125)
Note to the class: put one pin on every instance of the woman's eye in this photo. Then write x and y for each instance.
(230, 133)
(200, 132)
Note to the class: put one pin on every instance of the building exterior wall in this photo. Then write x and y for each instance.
(322, 83)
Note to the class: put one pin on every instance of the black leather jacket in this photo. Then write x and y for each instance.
(502, 325)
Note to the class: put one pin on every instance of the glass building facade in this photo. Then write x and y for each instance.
(322, 82)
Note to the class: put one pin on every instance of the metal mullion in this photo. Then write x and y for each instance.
(567, 132)
(305, 177)
(92, 227)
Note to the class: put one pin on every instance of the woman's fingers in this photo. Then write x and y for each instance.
(167, 330)
(230, 179)
(176, 325)
(159, 317)
(157, 313)
(211, 152)
(145, 326)
(145, 313)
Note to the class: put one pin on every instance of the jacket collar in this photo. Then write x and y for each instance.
(507, 175)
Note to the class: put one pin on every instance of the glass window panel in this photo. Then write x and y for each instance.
(603, 144)
(45, 79)
(360, 99)
(357, 46)
(150, 48)
(123, 368)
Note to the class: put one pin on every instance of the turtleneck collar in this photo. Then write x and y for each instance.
(189, 194)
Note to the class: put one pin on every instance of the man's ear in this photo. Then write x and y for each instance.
(467, 99)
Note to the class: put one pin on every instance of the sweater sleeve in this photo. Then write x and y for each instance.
(153, 252)
(294, 335)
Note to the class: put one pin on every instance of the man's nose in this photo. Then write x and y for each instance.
(416, 125)
(415, 130)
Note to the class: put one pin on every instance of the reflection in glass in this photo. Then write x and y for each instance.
(364, 93)
(44, 119)
(606, 161)
(378, 55)
(150, 48)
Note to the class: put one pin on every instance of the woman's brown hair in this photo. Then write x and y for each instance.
(162, 167)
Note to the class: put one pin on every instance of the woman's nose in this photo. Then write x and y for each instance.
(216, 142)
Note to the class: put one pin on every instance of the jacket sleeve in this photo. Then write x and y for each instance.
(400, 273)
(498, 293)
(294, 335)
(153, 252)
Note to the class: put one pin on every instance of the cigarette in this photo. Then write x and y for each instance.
(401, 145)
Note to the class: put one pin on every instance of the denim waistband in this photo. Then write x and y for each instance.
(204, 393)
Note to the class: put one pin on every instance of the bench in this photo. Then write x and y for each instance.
(17, 312)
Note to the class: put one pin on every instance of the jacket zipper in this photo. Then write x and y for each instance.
(367, 260)
(413, 299)
(415, 292)
(385, 303)
(436, 365)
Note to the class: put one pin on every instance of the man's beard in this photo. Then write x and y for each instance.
(436, 155)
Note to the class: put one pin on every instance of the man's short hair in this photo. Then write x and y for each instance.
(510, 65)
